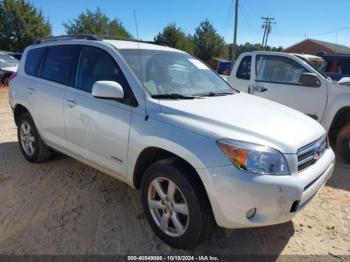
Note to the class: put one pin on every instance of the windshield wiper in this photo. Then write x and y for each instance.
(174, 96)
(216, 94)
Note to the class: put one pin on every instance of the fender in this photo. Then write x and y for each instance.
(335, 104)
(178, 141)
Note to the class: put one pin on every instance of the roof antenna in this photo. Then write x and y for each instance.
(140, 62)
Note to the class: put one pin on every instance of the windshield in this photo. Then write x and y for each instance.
(7, 60)
(166, 72)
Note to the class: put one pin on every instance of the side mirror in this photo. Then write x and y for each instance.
(309, 79)
(107, 90)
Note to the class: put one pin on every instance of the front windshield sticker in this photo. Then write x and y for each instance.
(198, 64)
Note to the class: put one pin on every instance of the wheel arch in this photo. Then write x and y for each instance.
(340, 119)
(150, 155)
(18, 110)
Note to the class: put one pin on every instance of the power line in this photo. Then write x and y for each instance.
(334, 31)
(314, 35)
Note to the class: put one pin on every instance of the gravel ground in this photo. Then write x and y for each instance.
(65, 207)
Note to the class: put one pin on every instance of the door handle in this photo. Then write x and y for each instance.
(30, 90)
(71, 103)
(263, 89)
(257, 89)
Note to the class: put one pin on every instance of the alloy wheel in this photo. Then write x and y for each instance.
(27, 138)
(168, 207)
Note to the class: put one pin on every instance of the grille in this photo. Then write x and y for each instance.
(309, 154)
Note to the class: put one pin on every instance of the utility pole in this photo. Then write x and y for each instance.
(267, 29)
(234, 45)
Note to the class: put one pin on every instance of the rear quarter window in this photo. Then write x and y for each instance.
(33, 60)
(244, 68)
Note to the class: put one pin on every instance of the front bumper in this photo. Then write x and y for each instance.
(276, 198)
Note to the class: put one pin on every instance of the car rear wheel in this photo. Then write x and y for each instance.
(6, 79)
(31, 145)
(343, 143)
(175, 206)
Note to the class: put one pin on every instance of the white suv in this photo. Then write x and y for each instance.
(159, 119)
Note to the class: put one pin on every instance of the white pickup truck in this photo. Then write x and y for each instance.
(291, 80)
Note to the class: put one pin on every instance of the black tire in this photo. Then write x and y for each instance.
(343, 143)
(6, 79)
(200, 219)
(41, 151)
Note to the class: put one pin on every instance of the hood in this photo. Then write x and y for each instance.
(244, 117)
(344, 81)
(12, 69)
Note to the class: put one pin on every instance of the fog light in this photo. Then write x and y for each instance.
(251, 213)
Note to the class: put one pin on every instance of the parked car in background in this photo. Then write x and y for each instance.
(18, 56)
(293, 81)
(8, 66)
(336, 66)
(157, 118)
(316, 61)
(221, 66)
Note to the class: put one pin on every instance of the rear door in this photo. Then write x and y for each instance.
(277, 78)
(47, 90)
(98, 129)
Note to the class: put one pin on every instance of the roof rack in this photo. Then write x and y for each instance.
(122, 38)
(94, 38)
(67, 37)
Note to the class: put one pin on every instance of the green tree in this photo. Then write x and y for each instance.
(208, 43)
(20, 24)
(249, 47)
(96, 23)
(173, 36)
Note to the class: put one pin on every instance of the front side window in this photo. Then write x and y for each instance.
(59, 63)
(33, 60)
(244, 68)
(167, 72)
(278, 69)
(97, 65)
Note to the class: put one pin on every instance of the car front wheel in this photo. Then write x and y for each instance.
(175, 206)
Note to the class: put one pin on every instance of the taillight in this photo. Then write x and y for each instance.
(12, 77)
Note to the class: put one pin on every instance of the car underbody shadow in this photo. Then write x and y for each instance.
(341, 176)
(269, 240)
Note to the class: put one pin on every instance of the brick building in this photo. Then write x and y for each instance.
(312, 47)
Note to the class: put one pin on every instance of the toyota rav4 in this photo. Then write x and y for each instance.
(202, 153)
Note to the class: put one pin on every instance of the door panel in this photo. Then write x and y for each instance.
(48, 89)
(277, 79)
(48, 110)
(97, 129)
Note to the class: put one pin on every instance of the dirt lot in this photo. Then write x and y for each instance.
(65, 207)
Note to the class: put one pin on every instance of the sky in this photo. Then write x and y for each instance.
(295, 19)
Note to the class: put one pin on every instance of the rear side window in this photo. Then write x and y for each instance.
(33, 60)
(244, 68)
(59, 64)
(97, 65)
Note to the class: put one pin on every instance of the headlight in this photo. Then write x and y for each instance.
(254, 158)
